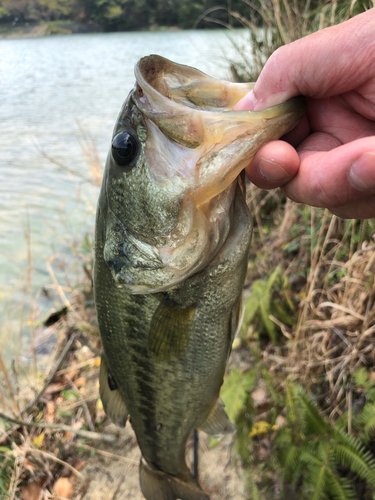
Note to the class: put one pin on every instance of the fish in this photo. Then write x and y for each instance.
(172, 243)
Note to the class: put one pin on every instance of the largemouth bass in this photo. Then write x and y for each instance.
(172, 243)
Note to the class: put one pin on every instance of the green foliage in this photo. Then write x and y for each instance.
(7, 463)
(322, 449)
(310, 457)
(364, 422)
(269, 297)
(36, 10)
(122, 15)
(235, 391)
(70, 394)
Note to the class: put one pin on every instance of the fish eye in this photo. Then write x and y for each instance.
(124, 148)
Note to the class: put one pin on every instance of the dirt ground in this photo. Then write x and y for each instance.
(116, 477)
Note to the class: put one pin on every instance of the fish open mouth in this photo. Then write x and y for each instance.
(195, 110)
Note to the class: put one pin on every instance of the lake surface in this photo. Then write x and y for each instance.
(50, 88)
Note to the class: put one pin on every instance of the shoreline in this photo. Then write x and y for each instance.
(27, 30)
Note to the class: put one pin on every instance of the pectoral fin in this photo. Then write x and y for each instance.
(113, 403)
(218, 421)
(170, 331)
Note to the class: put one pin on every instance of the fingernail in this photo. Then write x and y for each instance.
(362, 172)
(272, 171)
(247, 103)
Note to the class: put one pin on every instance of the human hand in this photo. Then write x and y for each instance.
(328, 159)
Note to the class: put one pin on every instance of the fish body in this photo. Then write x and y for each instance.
(172, 243)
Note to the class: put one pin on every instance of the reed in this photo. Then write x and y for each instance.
(273, 23)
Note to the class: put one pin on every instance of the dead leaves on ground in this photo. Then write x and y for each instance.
(46, 465)
(62, 489)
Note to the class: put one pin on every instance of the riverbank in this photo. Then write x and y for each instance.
(30, 30)
(34, 30)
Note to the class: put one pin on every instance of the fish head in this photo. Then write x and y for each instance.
(170, 178)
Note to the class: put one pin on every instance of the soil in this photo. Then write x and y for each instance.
(117, 477)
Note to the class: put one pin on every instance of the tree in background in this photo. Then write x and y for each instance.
(125, 15)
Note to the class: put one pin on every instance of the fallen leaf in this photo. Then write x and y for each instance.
(28, 465)
(260, 428)
(38, 441)
(52, 388)
(99, 410)
(80, 464)
(80, 382)
(237, 342)
(49, 417)
(50, 408)
(78, 424)
(73, 371)
(31, 492)
(259, 396)
(63, 488)
(280, 421)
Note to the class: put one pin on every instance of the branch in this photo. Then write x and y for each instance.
(108, 438)
(50, 378)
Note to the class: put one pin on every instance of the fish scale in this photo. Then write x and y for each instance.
(171, 250)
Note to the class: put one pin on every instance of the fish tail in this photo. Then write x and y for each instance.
(157, 485)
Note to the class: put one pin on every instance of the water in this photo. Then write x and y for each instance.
(48, 88)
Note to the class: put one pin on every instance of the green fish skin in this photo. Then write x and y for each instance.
(172, 243)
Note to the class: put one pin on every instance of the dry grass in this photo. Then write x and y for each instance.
(272, 23)
(328, 293)
(44, 449)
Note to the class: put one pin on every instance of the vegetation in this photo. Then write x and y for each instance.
(124, 15)
(272, 23)
(304, 401)
(304, 411)
(282, 22)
